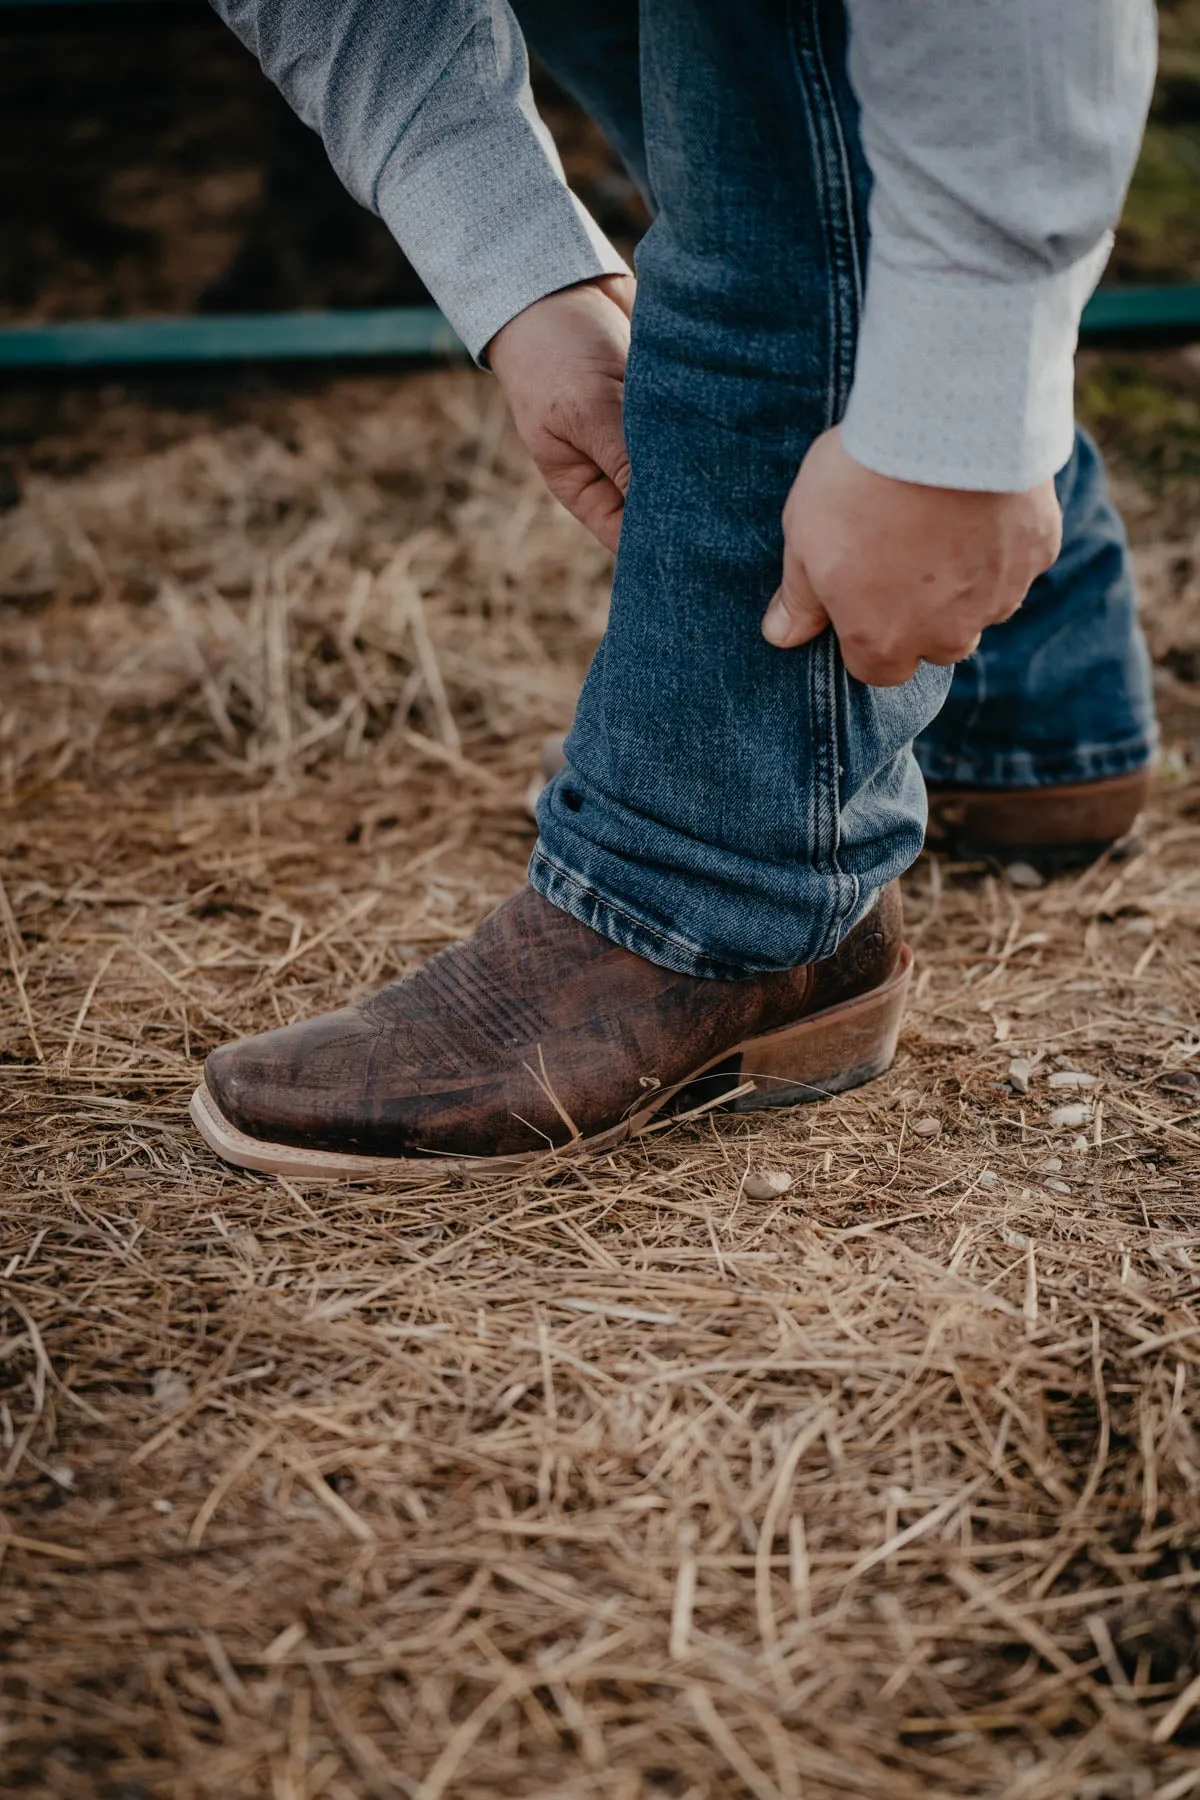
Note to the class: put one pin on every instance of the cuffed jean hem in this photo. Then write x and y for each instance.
(1030, 769)
(620, 926)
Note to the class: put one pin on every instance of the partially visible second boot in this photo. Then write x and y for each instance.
(536, 1037)
(1054, 828)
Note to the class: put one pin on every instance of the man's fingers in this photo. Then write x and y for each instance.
(945, 656)
(599, 435)
(621, 289)
(874, 670)
(591, 497)
(595, 480)
(601, 508)
(612, 457)
(795, 615)
(585, 464)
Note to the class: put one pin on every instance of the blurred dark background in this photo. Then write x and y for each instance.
(148, 167)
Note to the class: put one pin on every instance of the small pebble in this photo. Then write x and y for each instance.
(987, 1178)
(1127, 847)
(1051, 1166)
(1056, 1186)
(162, 1506)
(1072, 1078)
(1024, 875)
(1018, 1075)
(766, 1184)
(169, 1390)
(927, 1127)
(1071, 1116)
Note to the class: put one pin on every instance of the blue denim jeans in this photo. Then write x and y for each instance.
(728, 808)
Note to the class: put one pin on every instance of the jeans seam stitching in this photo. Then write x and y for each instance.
(829, 785)
(662, 937)
(835, 200)
(829, 142)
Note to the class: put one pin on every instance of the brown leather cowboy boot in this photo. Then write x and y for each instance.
(1051, 827)
(537, 1037)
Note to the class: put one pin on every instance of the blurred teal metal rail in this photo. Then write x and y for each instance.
(413, 332)
(1148, 312)
(419, 333)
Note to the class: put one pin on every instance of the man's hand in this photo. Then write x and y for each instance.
(561, 364)
(904, 574)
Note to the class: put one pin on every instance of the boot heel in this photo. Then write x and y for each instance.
(829, 1053)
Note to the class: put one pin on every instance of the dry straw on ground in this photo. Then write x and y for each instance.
(638, 1478)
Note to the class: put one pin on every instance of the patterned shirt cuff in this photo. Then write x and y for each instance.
(485, 264)
(966, 382)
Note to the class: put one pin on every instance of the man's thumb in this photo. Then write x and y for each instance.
(795, 614)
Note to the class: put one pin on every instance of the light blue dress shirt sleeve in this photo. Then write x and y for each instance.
(1001, 135)
(426, 111)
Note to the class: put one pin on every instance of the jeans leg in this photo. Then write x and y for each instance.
(1061, 692)
(730, 808)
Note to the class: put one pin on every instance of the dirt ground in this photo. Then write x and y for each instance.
(616, 1481)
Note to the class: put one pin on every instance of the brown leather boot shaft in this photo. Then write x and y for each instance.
(1076, 821)
(863, 959)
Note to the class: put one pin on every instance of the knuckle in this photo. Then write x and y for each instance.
(865, 644)
(882, 654)
(875, 667)
(794, 566)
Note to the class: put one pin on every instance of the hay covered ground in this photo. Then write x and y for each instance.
(619, 1482)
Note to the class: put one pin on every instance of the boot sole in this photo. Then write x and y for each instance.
(828, 1053)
